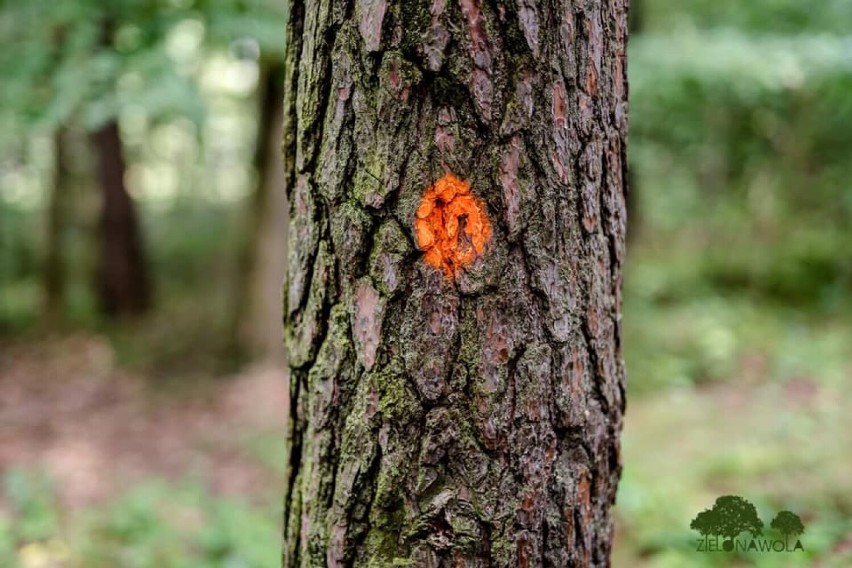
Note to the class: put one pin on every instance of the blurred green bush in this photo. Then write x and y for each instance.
(156, 525)
(740, 148)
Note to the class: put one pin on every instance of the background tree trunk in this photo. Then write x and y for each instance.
(473, 420)
(122, 280)
(636, 21)
(258, 321)
(57, 220)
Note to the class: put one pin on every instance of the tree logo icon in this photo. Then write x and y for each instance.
(731, 516)
(788, 523)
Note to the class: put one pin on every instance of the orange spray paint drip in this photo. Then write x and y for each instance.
(451, 225)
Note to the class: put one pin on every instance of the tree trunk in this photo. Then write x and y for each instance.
(258, 321)
(458, 405)
(122, 280)
(57, 220)
(636, 21)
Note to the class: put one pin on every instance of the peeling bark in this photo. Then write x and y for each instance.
(469, 419)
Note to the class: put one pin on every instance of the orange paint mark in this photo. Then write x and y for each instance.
(451, 225)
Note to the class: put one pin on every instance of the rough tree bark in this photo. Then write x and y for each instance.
(471, 419)
(122, 279)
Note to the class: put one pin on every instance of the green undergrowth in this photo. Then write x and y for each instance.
(157, 524)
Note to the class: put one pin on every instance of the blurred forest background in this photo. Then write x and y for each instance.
(142, 243)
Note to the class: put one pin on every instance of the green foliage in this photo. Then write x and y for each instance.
(90, 61)
(775, 16)
(19, 264)
(736, 308)
(263, 21)
(739, 436)
(742, 143)
(31, 500)
(193, 258)
(739, 150)
(682, 331)
(155, 525)
(728, 114)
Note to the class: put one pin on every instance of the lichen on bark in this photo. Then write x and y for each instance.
(469, 419)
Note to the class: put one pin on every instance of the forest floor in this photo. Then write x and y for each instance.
(97, 430)
(105, 466)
